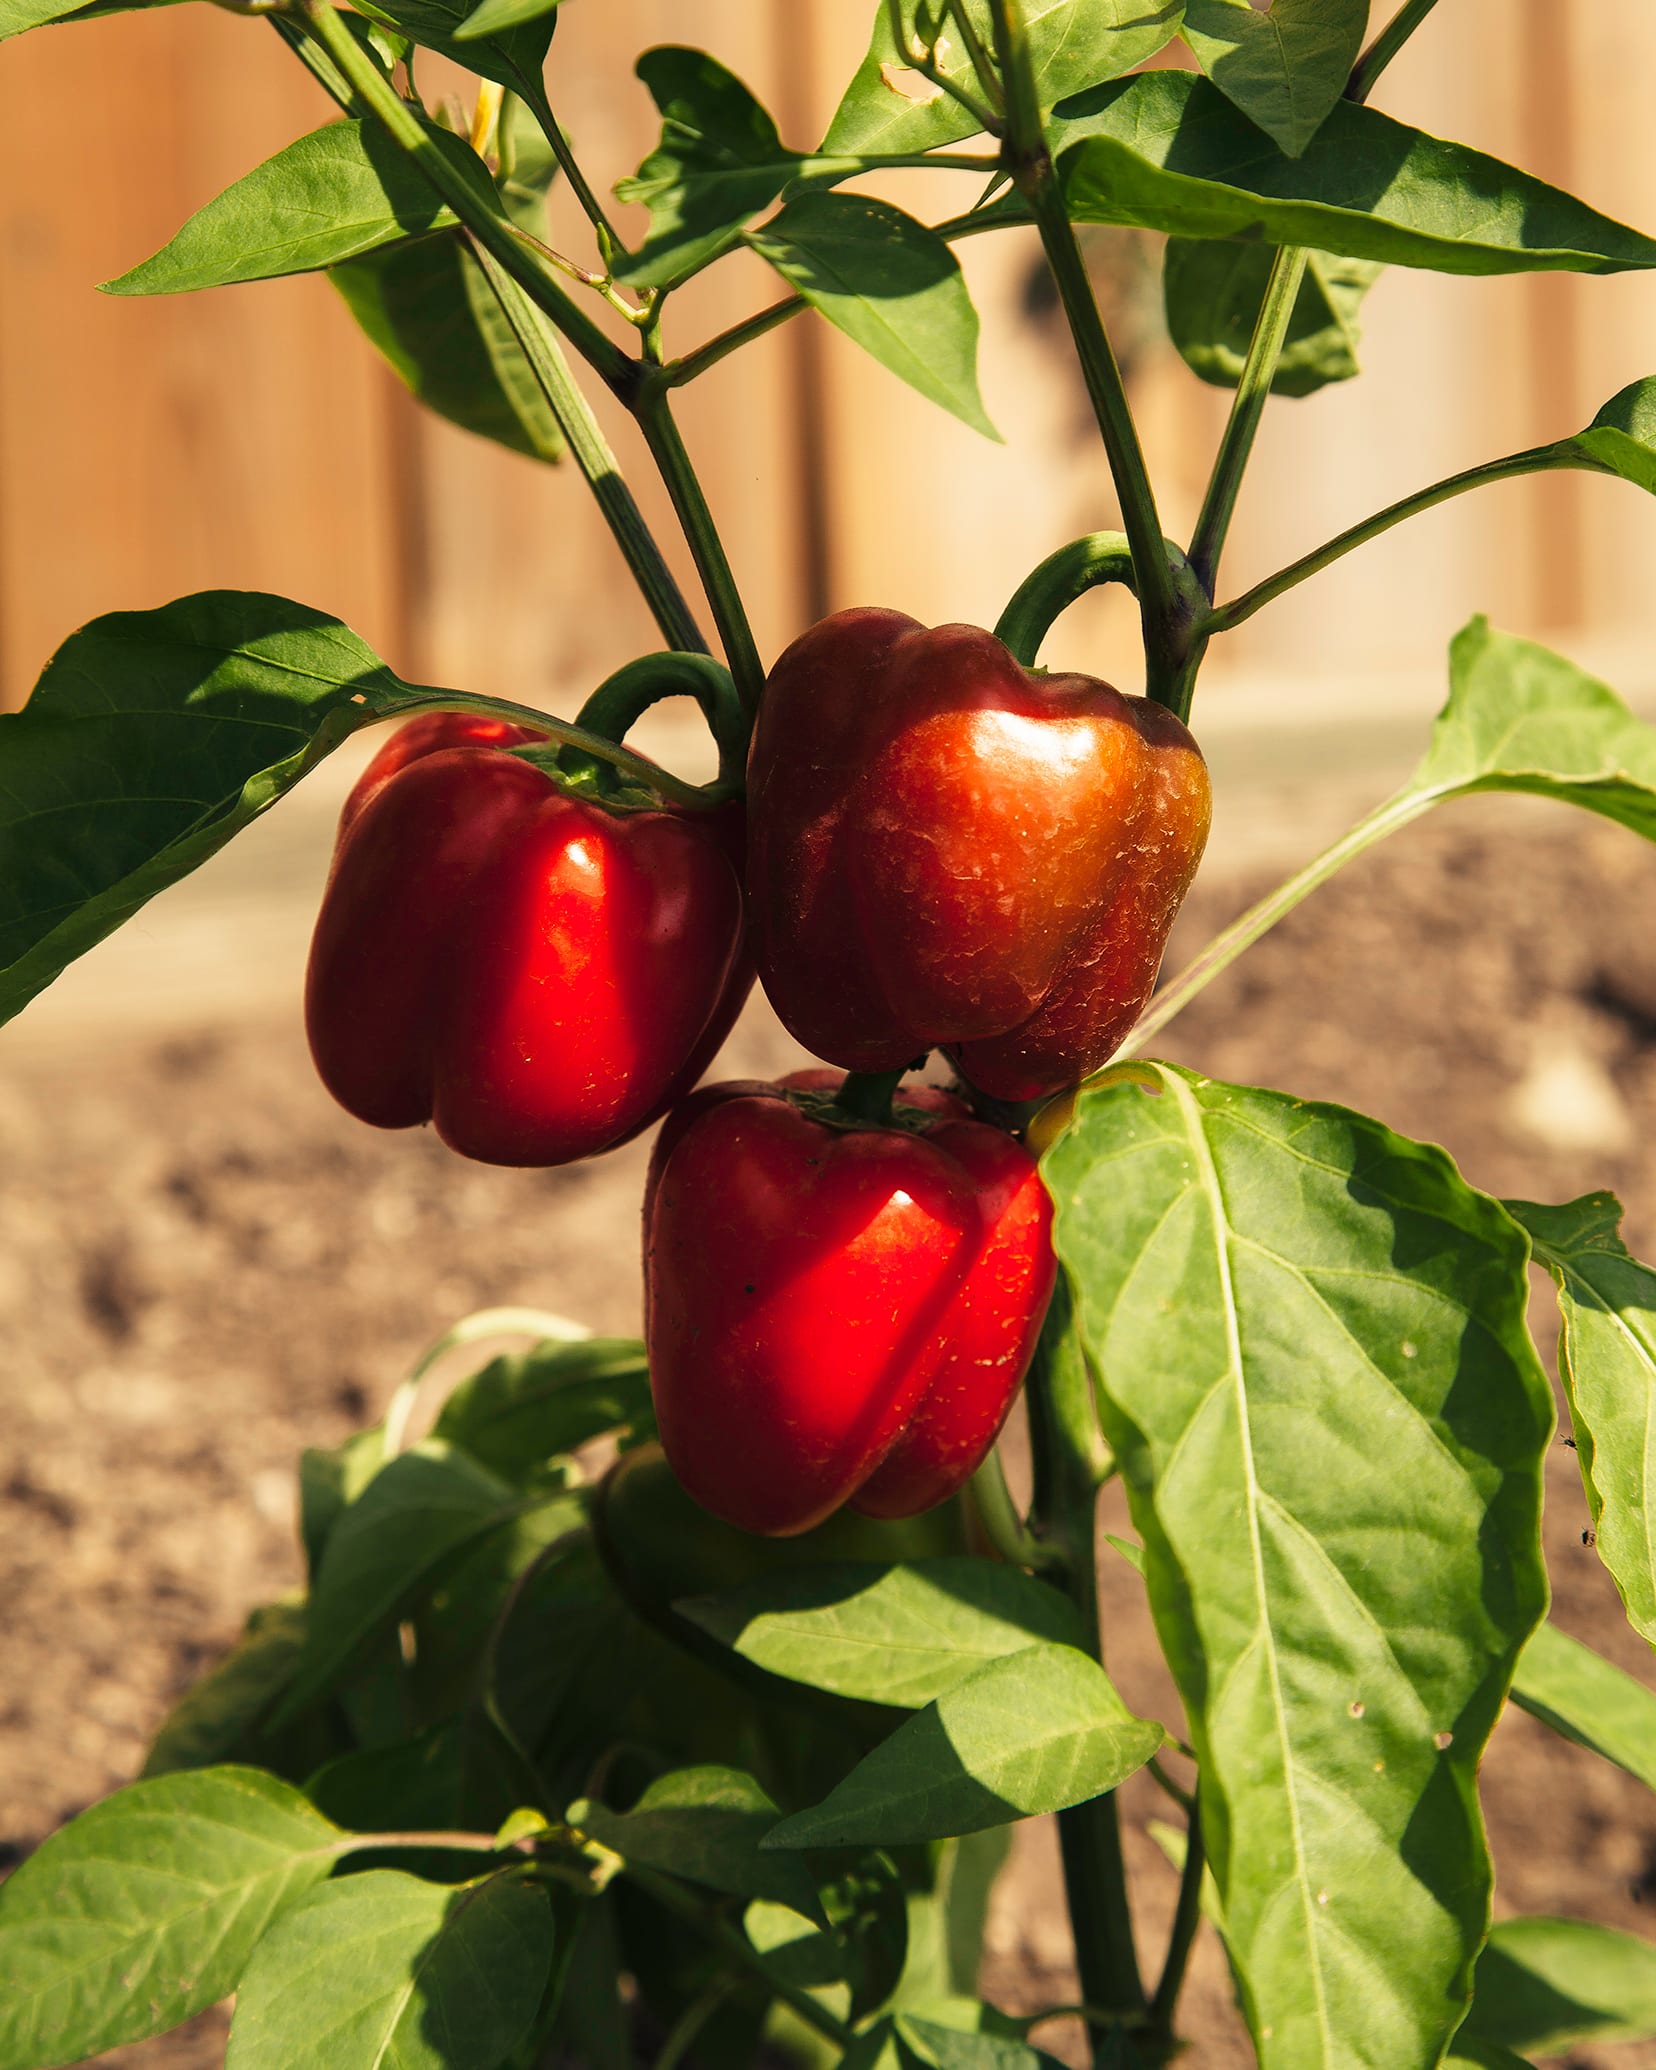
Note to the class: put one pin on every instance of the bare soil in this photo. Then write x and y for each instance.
(204, 1266)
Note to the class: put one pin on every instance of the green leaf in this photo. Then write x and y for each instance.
(343, 190)
(856, 1960)
(898, 1635)
(1276, 1294)
(1284, 66)
(494, 17)
(1482, 2055)
(18, 15)
(1072, 44)
(523, 1409)
(719, 162)
(381, 1969)
(151, 739)
(329, 1482)
(1590, 1700)
(1622, 437)
(1031, 1732)
(428, 307)
(1168, 152)
(705, 1825)
(419, 1511)
(215, 1720)
(1214, 291)
(1543, 1985)
(891, 284)
(513, 57)
(145, 1909)
(955, 2048)
(1607, 1361)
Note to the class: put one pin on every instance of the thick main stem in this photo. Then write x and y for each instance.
(653, 411)
(1070, 1461)
(1029, 164)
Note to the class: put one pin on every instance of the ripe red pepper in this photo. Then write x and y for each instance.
(836, 1312)
(537, 974)
(946, 849)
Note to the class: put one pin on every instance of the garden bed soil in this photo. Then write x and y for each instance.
(204, 1266)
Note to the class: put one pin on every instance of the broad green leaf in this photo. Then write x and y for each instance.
(855, 1961)
(955, 2048)
(1031, 1732)
(1622, 437)
(381, 1970)
(1482, 2055)
(706, 1825)
(151, 739)
(1073, 44)
(719, 162)
(428, 307)
(1167, 151)
(343, 190)
(1213, 291)
(145, 1909)
(18, 15)
(897, 1635)
(495, 17)
(513, 57)
(1284, 66)
(1590, 1700)
(1607, 1360)
(417, 1512)
(891, 284)
(1545, 1984)
(213, 1721)
(329, 1482)
(1277, 1295)
(522, 1409)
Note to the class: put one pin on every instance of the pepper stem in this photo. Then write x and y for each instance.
(867, 1095)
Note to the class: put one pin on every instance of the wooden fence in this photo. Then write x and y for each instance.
(249, 438)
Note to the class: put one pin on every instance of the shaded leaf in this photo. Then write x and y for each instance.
(1214, 290)
(341, 191)
(522, 1409)
(144, 1909)
(329, 1482)
(1589, 1700)
(152, 738)
(494, 17)
(897, 1635)
(422, 1508)
(1277, 1293)
(513, 57)
(1072, 44)
(1607, 1361)
(719, 162)
(705, 1825)
(891, 284)
(381, 1969)
(956, 2048)
(1031, 1732)
(427, 305)
(1545, 1984)
(1168, 152)
(215, 1720)
(1284, 66)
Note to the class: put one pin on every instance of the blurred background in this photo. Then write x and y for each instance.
(204, 1266)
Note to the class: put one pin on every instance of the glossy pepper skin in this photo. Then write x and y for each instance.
(948, 850)
(539, 976)
(836, 1313)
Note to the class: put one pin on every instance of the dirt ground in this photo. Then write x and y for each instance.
(204, 1266)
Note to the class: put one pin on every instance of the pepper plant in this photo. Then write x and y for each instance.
(549, 1763)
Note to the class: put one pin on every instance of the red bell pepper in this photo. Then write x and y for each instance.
(946, 849)
(535, 973)
(836, 1311)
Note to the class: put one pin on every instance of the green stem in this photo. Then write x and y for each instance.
(610, 243)
(594, 457)
(1385, 47)
(1029, 163)
(1187, 1916)
(1259, 919)
(998, 1514)
(925, 63)
(1061, 580)
(1248, 406)
(488, 228)
(730, 1941)
(1534, 460)
(623, 698)
(1071, 1460)
(867, 1095)
(653, 410)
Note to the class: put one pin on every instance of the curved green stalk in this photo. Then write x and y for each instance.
(1533, 460)
(1385, 47)
(1187, 1916)
(623, 698)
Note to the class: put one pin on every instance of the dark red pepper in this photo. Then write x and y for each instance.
(836, 1312)
(946, 849)
(537, 974)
